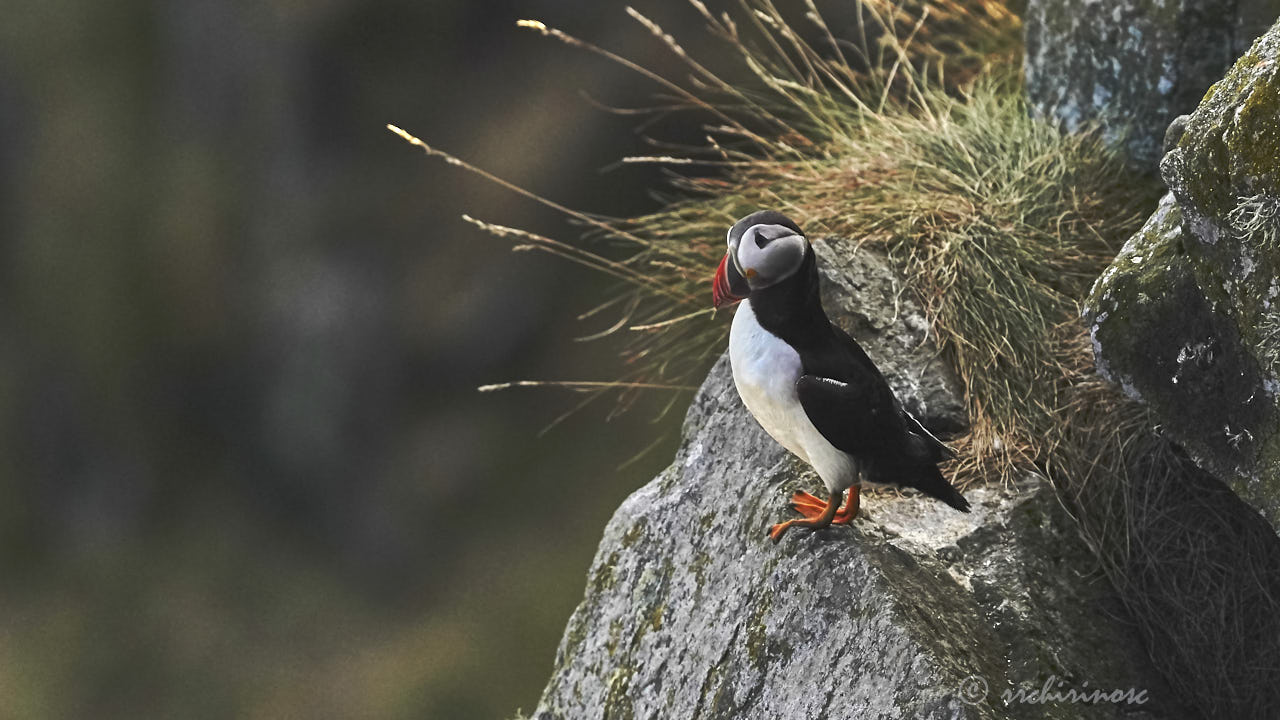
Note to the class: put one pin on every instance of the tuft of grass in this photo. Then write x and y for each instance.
(815, 99)
(901, 138)
(999, 223)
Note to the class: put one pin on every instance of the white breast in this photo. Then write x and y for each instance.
(765, 370)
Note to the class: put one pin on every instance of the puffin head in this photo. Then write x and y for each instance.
(765, 248)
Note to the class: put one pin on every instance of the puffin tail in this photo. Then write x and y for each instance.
(939, 487)
(928, 479)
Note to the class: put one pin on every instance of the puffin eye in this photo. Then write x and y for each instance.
(762, 239)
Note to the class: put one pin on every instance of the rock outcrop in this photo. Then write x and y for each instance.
(913, 611)
(1187, 317)
(1133, 66)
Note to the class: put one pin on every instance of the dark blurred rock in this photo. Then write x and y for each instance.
(1174, 132)
(1185, 318)
(913, 611)
(1133, 65)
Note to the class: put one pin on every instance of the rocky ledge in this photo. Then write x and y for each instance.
(913, 611)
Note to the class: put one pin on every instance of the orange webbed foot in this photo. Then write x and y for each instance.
(811, 507)
(776, 532)
(814, 517)
(807, 505)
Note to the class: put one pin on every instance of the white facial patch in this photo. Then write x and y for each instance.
(769, 254)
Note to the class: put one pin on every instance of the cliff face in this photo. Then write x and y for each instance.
(1186, 318)
(913, 611)
(1133, 65)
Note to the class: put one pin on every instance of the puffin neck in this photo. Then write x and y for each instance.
(792, 309)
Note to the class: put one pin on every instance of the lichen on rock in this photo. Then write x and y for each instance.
(1186, 318)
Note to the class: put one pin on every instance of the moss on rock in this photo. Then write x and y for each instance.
(1184, 318)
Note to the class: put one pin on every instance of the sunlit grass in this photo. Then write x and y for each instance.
(903, 139)
(999, 222)
(816, 100)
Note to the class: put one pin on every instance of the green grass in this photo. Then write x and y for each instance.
(789, 140)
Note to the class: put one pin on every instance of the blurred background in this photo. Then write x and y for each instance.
(244, 471)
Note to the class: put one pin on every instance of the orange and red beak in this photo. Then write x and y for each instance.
(729, 286)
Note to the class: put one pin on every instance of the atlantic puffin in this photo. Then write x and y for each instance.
(810, 385)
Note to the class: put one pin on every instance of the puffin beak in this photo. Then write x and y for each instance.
(726, 281)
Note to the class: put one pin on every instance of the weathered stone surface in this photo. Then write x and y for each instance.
(690, 612)
(1186, 319)
(863, 294)
(1133, 64)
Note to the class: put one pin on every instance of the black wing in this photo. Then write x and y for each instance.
(856, 418)
(850, 403)
(937, 449)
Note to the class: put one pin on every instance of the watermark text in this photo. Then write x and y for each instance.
(974, 690)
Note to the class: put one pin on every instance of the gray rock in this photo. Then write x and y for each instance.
(1174, 132)
(913, 611)
(862, 293)
(1186, 319)
(1133, 66)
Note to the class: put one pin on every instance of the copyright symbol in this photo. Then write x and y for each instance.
(973, 689)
